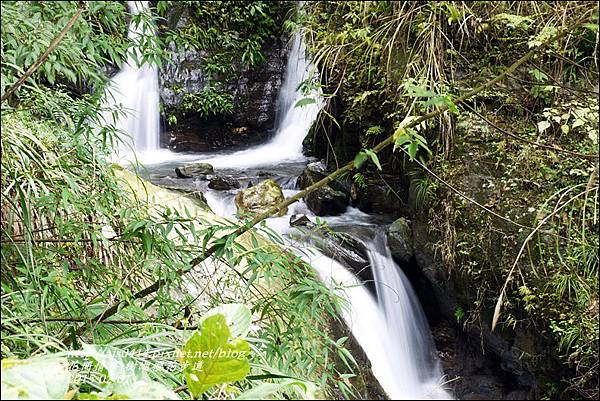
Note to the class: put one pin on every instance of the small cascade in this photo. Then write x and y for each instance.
(135, 89)
(410, 350)
(293, 122)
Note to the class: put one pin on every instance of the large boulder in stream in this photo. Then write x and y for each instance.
(340, 246)
(326, 201)
(223, 183)
(260, 198)
(400, 241)
(194, 170)
(316, 171)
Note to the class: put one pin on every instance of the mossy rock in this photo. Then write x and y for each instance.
(259, 198)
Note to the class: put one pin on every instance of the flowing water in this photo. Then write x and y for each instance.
(135, 89)
(390, 327)
(292, 122)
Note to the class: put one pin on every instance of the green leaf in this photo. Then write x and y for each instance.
(304, 102)
(360, 159)
(237, 316)
(543, 125)
(412, 150)
(35, 379)
(212, 357)
(373, 157)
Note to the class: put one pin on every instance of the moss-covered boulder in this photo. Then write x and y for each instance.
(326, 201)
(260, 198)
(400, 241)
(194, 170)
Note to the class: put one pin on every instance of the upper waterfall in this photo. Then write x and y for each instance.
(293, 121)
(135, 89)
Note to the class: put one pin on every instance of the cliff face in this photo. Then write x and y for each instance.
(252, 92)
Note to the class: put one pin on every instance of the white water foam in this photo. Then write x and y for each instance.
(135, 90)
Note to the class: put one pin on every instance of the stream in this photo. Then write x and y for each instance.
(388, 322)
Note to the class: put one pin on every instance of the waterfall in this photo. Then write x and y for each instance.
(135, 89)
(407, 328)
(391, 329)
(293, 122)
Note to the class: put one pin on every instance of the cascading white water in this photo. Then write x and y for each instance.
(135, 89)
(391, 328)
(417, 373)
(293, 122)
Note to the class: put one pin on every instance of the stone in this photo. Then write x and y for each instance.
(194, 170)
(326, 201)
(345, 249)
(313, 172)
(375, 196)
(400, 241)
(260, 198)
(196, 196)
(300, 220)
(316, 171)
(223, 183)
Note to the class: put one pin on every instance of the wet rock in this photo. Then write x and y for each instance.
(312, 173)
(300, 220)
(196, 196)
(326, 201)
(260, 198)
(346, 250)
(223, 183)
(378, 196)
(194, 170)
(316, 171)
(400, 241)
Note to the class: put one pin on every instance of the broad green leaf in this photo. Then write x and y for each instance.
(565, 128)
(543, 126)
(237, 316)
(359, 159)
(373, 157)
(412, 150)
(212, 357)
(400, 132)
(35, 379)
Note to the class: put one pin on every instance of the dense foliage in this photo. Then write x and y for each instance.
(230, 36)
(526, 150)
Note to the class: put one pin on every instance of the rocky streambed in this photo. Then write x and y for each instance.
(477, 364)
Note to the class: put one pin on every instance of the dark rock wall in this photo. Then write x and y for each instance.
(254, 92)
